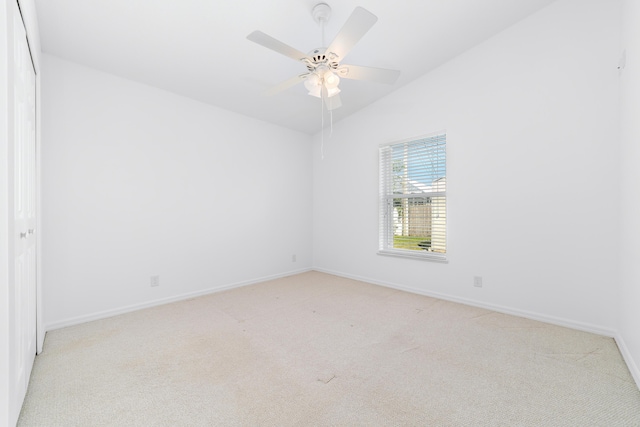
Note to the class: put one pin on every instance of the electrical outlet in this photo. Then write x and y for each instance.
(155, 281)
(477, 281)
(293, 258)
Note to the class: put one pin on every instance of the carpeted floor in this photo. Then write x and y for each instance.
(319, 350)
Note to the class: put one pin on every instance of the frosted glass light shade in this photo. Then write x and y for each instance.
(313, 85)
(331, 80)
(332, 91)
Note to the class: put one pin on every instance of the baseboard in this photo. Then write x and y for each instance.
(585, 327)
(126, 309)
(628, 358)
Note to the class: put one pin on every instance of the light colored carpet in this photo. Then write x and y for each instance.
(319, 350)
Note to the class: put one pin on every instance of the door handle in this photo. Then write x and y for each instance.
(32, 230)
(23, 235)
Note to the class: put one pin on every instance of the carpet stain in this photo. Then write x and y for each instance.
(326, 379)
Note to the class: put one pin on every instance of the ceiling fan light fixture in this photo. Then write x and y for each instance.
(331, 80)
(314, 85)
(317, 92)
(332, 91)
(324, 63)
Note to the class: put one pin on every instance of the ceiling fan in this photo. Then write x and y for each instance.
(324, 67)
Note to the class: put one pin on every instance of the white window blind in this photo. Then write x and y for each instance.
(413, 198)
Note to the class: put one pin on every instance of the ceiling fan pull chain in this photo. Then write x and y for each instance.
(322, 126)
(331, 119)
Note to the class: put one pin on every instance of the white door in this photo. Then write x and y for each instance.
(24, 291)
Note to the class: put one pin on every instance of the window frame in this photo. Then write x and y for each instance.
(386, 202)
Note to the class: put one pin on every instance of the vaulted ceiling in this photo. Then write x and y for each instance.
(199, 49)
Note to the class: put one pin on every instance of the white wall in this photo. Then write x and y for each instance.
(630, 196)
(532, 127)
(140, 182)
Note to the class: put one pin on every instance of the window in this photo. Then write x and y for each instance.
(413, 208)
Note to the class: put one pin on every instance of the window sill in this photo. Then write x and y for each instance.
(424, 256)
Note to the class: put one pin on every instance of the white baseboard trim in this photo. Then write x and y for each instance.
(134, 307)
(558, 321)
(628, 358)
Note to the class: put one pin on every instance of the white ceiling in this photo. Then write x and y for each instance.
(198, 48)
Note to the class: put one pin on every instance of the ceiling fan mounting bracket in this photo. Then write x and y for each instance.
(321, 13)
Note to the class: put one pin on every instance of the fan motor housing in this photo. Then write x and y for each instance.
(320, 57)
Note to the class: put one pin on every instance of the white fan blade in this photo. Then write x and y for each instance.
(360, 21)
(286, 84)
(356, 72)
(333, 102)
(273, 44)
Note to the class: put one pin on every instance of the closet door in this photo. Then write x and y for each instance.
(24, 290)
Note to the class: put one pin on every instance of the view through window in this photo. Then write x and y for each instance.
(413, 211)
